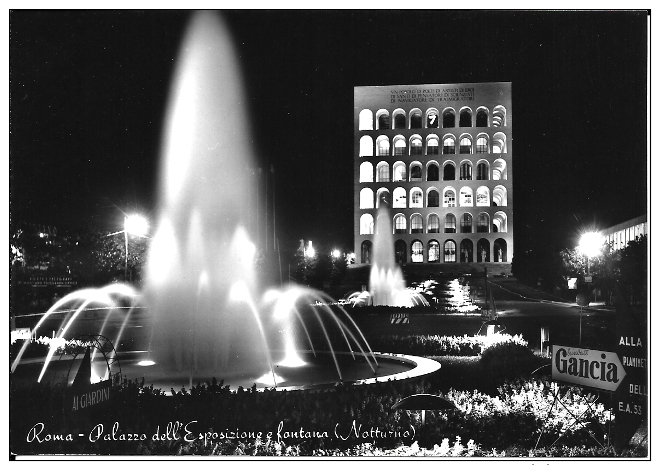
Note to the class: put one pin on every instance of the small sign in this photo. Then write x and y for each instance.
(586, 367)
(572, 283)
(588, 279)
(399, 318)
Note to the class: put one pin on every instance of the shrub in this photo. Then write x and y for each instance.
(433, 345)
(507, 359)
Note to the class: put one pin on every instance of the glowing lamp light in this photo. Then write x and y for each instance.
(591, 244)
(136, 225)
(309, 251)
(146, 363)
(336, 253)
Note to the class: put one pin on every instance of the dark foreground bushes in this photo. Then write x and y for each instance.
(211, 419)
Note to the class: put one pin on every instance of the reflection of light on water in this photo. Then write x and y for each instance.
(146, 363)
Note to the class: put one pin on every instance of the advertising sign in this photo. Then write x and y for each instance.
(586, 367)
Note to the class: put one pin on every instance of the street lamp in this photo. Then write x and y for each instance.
(136, 225)
(590, 246)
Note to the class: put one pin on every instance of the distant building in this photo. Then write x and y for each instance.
(440, 155)
(620, 234)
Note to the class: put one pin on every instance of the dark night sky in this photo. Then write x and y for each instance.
(88, 93)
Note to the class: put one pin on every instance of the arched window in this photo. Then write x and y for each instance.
(432, 145)
(450, 251)
(449, 172)
(383, 144)
(499, 250)
(482, 170)
(382, 197)
(434, 251)
(499, 222)
(400, 224)
(448, 145)
(466, 171)
(449, 198)
(415, 118)
(400, 251)
(483, 250)
(383, 118)
(466, 251)
(482, 117)
(399, 146)
(482, 143)
(466, 197)
(448, 118)
(499, 196)
(482, 223)
(399, 171)
(483, 196)
(432, 171)
(465, 145)
(499, 170)
(383, 172)
(399, 119)
(466, 223)
(465, 118)
(366, 146)
(433, 223)
(366, 120)
(400, 198)
(432, 118)
(499, 142)
(416, 198)
(366, 198)
(366, 252)
(416, 224)
(417, 252)
(433, 198)
(415, 171)
(450, 223)
(499, 116)
(366, 224)
(366, 172)
(415, 146)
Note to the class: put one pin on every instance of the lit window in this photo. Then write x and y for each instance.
(366, 120)
(466, 197)
(417, 252)
(466, 146)
(399, 171)
(366, 198)
(483, 197)
(399, 147)
(366, 172)
(366, 146)
(399, 197)
(450, 224)
(450, 251)
(432, 146)
(416, 200)
(434, 251)
(400, 224)
(433, 224)
(383, 173)
(466, 251)
(366, 224)
(415, 146)
(449, 146)
(449, 199)
(432, 119)
(482, 144)
(416, 224)
(383, 147)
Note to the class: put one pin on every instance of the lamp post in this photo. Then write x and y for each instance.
(590, 245)
(136, 225)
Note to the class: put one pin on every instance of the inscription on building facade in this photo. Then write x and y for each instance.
(445, 94)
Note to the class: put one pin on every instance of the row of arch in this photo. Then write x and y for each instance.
(415, 197)
(449, 225)
(447, 253)
(413, 172)
(433, 118)
(482, 143)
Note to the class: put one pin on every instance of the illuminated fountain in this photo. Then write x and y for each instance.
(386, 283)
(207, 315)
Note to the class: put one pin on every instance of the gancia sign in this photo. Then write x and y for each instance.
(586, 367)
